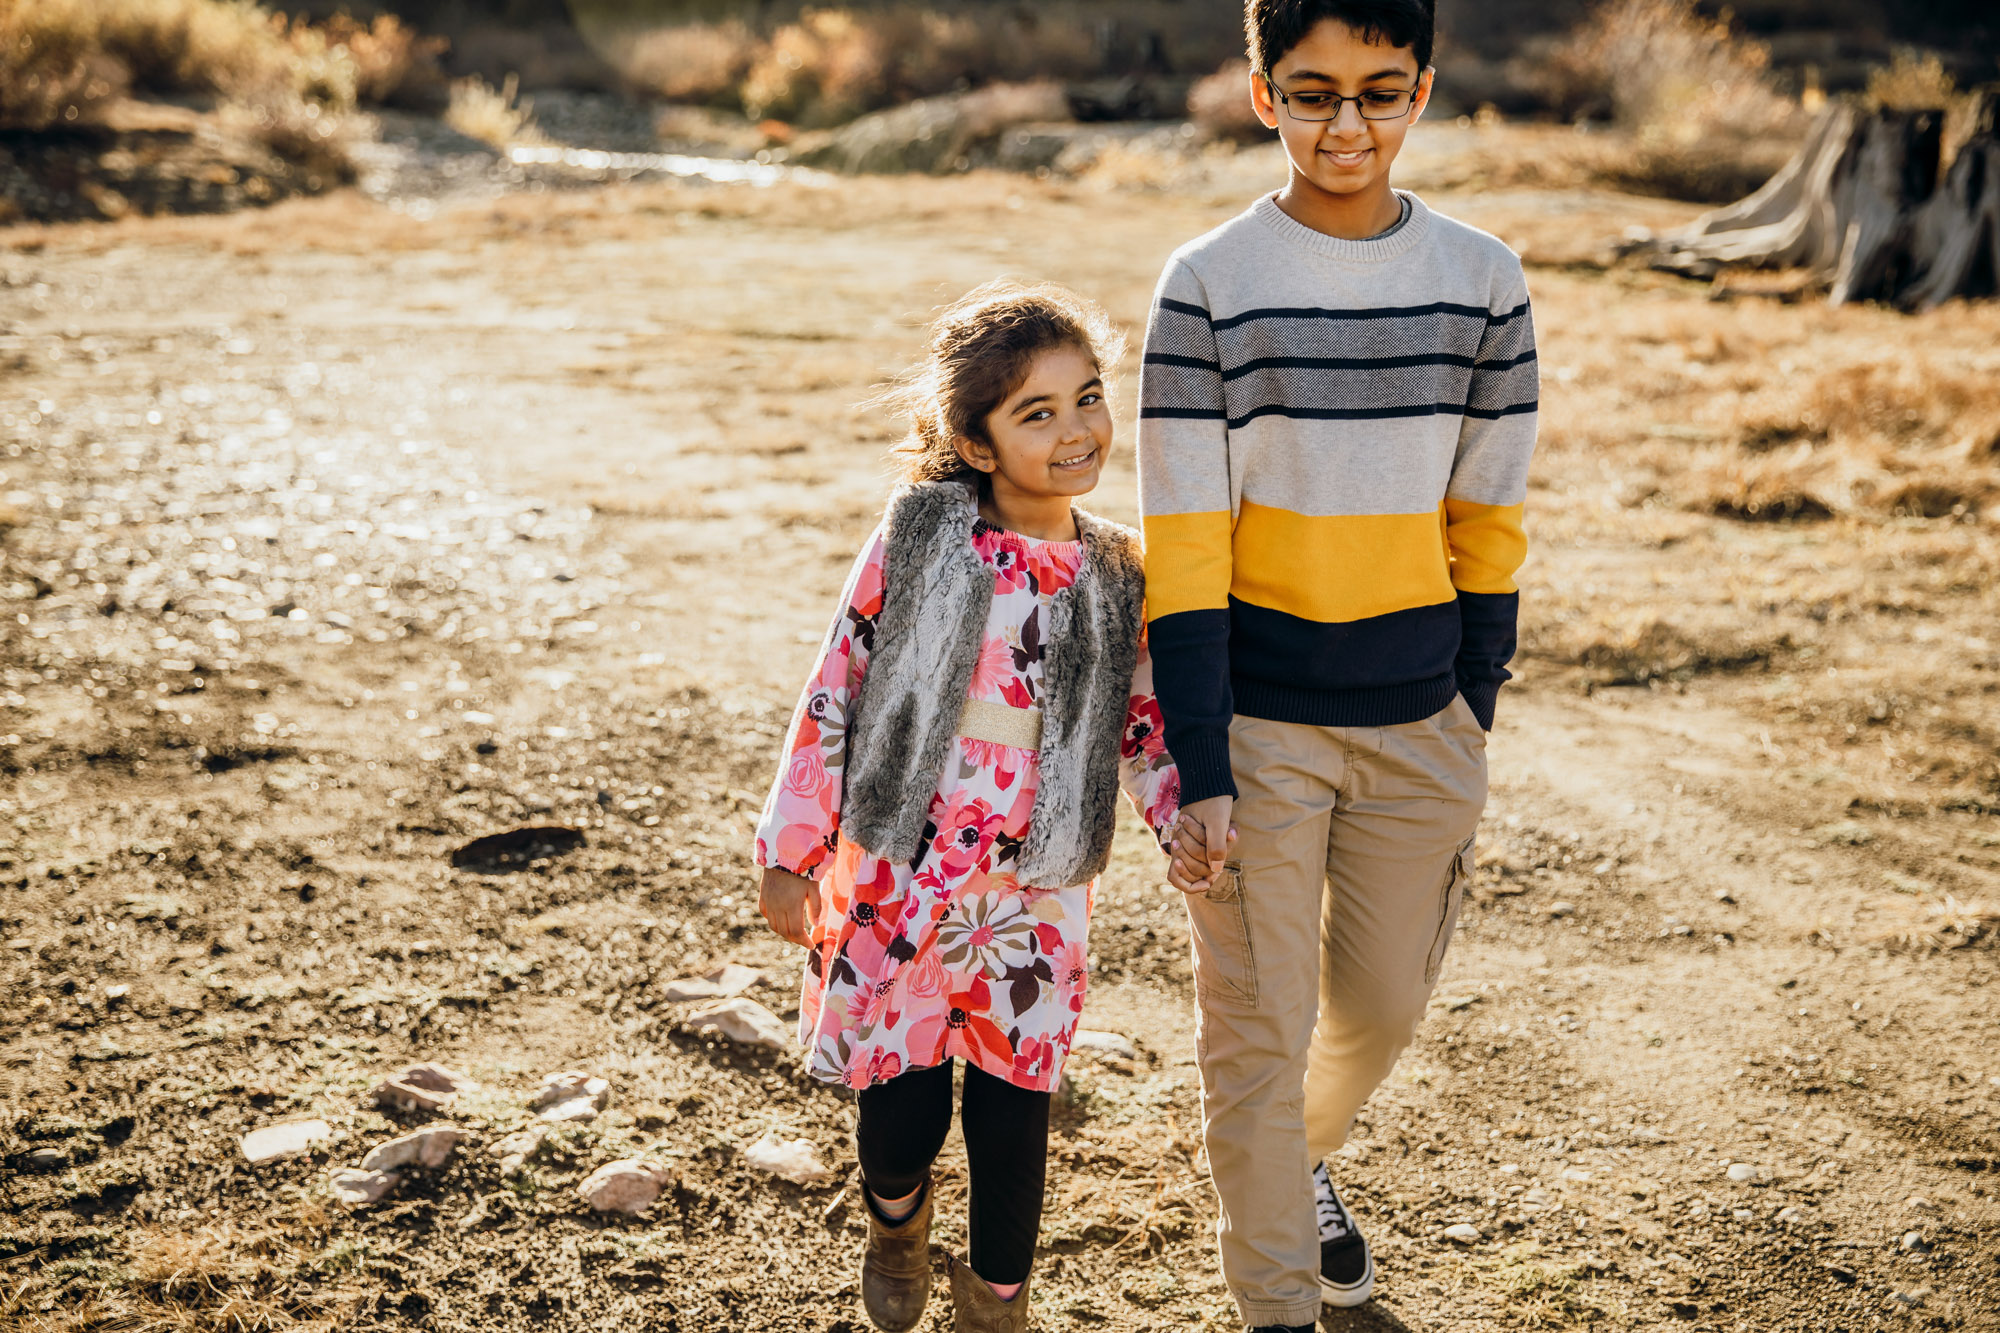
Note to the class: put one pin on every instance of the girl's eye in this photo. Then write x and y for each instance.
(1090, 400)
(1039, 414)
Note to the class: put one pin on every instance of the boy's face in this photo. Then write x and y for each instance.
(1349, 154)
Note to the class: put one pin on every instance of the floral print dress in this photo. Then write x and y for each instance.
(912, 964)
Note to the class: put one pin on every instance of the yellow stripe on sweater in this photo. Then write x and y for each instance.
(1487, 545)
(1187, 563)
(1339, 568)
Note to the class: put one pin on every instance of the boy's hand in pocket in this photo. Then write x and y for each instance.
(789, 903)
(1201, 844)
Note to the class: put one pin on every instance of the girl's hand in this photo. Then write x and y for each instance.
(789, 903)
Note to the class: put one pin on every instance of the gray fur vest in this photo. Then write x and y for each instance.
(936, 596)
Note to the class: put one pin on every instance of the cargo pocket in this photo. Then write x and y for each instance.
(1225, 964)
(1451, 895)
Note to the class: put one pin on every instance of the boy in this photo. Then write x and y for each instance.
(1337, 413)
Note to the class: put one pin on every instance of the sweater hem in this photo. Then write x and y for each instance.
(1380, 706)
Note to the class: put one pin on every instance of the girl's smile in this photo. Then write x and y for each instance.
(1045, 445)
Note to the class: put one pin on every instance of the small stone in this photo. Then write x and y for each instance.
(1537, 1195)
(626, 1186)
(571, 1096)
(1742, 1172)
(357, 1188)
(47, 1159)
(1913, 1243)
(1464, 1233)
(1510, 1168)
(1917, 1203)
(429, 1146)
(1906, 1299)
(420, 1087)
(683, 989)
(515, 1150)
(741, 1020)
(1561, 909)
(1576, 1175)
(1103, 1043)
(795, 1160)
(288, 1139)
(1741, 1214)
(1791, 1216)
(116, 994)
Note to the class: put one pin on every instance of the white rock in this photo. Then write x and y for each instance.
(357, 1188)
(1537, 1195)
(1464, 1233)
(275, 1142)
(429, 1146)
(1741, 1172)
(1791, 1215)
(1913, 1240)
(1576, 1175)
(515, 1150)
(1510, 1168)
(1917, 1203)
(795, 1160)
(625, 1186)
(1103, 1043)
(1561, 909)
(420, 1087)
(571, 1096)
(744, 1021)
(719, 983)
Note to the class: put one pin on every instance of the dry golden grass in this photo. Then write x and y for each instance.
(496, 116)
(1220, 105)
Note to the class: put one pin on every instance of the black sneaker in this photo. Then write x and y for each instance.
(1346, 1268)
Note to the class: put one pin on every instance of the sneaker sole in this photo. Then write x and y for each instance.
(1354, 1294)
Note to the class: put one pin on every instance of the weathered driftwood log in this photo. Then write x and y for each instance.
(1861, 209)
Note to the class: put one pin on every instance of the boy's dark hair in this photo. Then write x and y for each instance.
(1274, 27)
(981, 350)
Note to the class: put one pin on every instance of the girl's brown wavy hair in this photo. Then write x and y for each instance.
(980, 351)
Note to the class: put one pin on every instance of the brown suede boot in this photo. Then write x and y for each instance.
(896, 1265)
(975, 1309)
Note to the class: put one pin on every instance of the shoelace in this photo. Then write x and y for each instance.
(1333, 1223)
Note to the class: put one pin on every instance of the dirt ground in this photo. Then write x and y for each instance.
(335, 538)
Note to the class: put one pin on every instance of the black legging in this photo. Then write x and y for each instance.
(901, 1126)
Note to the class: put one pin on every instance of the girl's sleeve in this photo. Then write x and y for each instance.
(1145, 769)
(800, 826)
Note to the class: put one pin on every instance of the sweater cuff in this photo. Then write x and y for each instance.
(1480, 696)
(1203, 761)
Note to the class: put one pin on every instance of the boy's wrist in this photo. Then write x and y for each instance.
(1203, 762)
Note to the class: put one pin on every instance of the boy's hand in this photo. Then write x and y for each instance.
(789, 903)
(1201, 844)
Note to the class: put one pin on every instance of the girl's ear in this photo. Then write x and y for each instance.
(974, 454)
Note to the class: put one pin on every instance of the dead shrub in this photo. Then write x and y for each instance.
(1788, 488)
(691, 62)
(1653, 649)
(392, 65)
(1911, 82)
(498, 117)
(1897, 402)
(1220, 106)
(1763, 435)
(1704, 118)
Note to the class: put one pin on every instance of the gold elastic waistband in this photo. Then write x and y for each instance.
(1002, 724)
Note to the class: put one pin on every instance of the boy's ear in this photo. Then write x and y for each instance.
(1261, 100)
(974, 454)
(1423, 98)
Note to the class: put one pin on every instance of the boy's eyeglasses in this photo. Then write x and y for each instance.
(1313, 106)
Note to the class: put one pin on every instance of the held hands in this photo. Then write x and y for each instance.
(1200, 844)
(789, 903)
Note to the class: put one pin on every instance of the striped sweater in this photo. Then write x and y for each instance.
(1334, 440)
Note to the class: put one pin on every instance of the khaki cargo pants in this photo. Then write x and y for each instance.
(1314, 962)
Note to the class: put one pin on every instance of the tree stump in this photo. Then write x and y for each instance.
(1862, 209)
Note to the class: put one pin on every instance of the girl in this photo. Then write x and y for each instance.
(950, 784)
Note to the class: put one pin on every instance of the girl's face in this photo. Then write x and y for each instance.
(1052, 435)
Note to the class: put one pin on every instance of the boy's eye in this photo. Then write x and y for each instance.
(1383, 98)
(1311, 101)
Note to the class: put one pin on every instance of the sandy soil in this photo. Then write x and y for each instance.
(334, 539)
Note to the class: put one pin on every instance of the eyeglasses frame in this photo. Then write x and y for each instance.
(1339, 102)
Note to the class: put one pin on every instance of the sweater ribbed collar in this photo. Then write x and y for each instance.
(1397, 241)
